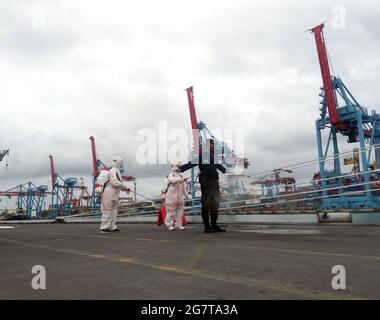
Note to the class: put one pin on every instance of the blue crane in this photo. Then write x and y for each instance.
(30, 198)
(64, 201)
(341, 114)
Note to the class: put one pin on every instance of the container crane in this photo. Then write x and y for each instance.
(30, 198)
(201, 134)
(272, 183)
(64, 199)
(97, 166)
(341, 114)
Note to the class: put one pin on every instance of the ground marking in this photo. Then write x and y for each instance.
(218, 276)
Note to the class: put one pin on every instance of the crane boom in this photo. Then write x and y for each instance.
(94, 158)
(52, 172)
(9, 193)
(193, 117)
(326, 77)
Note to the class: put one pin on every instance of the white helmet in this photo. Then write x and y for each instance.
(117, 162)
(175, 165)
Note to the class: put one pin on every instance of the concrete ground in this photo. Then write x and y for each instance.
(145, 261)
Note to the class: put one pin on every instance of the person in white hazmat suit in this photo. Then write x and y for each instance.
(174, 193)
(110, 191)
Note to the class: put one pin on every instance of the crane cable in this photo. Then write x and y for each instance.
(311, 162)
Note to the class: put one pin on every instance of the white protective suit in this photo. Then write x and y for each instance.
(110, 196)
(175, 197)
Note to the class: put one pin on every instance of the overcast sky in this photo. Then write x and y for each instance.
(71, 69)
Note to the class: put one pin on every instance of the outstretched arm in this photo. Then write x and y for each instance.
(193, 163)
(221, 168)
(187, 166)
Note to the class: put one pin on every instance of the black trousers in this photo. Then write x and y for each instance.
(207, 213)
(210, 199)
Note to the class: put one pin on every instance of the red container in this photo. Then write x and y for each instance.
(162, 216)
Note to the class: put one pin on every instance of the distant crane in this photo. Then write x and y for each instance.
(97, 166)
(201, 134)
(342, 114)
(354, 161)
(30, 198)
(273, 183)
(64, 200)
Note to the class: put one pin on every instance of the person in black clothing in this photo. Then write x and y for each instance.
(209, 180)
